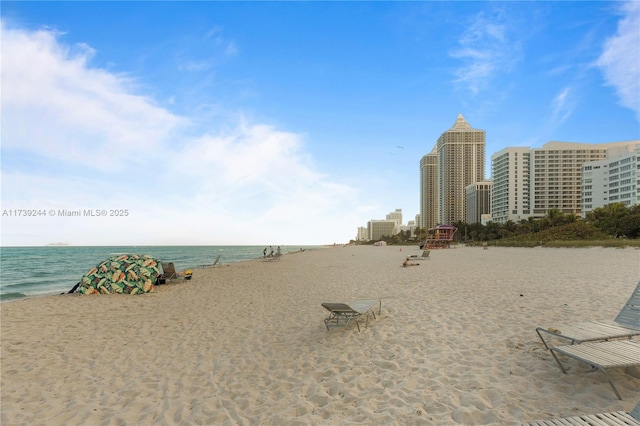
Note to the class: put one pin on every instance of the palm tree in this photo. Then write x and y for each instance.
(525, 226)
(609, 218)
(555, 217)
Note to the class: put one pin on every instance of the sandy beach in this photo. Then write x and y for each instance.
(245, 343)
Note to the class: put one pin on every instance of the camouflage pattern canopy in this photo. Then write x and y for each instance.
(125, 273)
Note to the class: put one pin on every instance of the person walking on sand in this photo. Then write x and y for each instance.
(264, 252)
(270, 251)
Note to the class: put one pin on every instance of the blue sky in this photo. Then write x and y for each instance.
(284, 122)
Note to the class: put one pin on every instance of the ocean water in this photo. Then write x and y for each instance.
(41, 271)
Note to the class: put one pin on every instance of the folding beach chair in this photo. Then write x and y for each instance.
(423, 256)
(351, 311)
(602, 356)
(614, 418)
(215, 262)
(211, 265)
(169, 271)
(625, 325)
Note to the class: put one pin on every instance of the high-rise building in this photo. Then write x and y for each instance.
(460, 155)
(428, 190)
(377, 229)
(510, 191)
(556, 172)
(614, 180)
(363, 234)
(530, 182)
(396, 215)
(478, 202)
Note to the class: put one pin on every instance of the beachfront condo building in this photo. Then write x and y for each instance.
(396, 216)
(410, 226)
(614, 180)
(548, 178)
(478, 201)
(510, 191)
(376, 229)
(556, 176)
(428, 191)
(460, 160)
(362, 234)
(392, 225)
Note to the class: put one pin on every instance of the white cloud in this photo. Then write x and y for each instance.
(55, 105)
(562, 106)
(229, 46)
(78, 137)
(620, 59)
(194, 66)
(217, 29)
(486, 50)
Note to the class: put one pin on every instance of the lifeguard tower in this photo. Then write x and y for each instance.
(439, 237)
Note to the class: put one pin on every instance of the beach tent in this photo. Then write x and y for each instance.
(123, 273)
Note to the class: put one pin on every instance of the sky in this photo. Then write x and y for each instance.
(252, 123)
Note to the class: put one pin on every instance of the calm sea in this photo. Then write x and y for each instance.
(41, 271)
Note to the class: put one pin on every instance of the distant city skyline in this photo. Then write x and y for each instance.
(526, 183)
(283, 122)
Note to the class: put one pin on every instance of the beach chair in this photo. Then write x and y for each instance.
(625, 325)
(215, 263)
(423, 256)
(602, 356)
(614, 418)
(169, 271)
(351, 311)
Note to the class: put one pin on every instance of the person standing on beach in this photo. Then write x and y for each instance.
(264, 252)
(270, 251)
(278, 252)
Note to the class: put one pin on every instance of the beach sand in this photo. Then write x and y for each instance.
(246, 344)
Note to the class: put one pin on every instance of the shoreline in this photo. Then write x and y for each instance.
(49, 271)
(455, 342)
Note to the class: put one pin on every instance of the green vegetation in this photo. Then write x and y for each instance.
(403, 238)
(615, 225)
